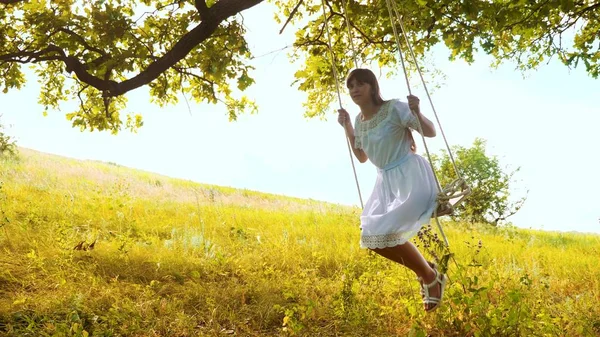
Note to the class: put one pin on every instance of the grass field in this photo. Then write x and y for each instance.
(96, 249)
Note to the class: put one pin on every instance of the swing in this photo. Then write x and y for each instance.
(455, 192)
(458, 190)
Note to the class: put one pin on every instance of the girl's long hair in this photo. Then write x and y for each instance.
(362, 76)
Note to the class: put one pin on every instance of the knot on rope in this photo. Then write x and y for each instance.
(451, 196)
(456, 189)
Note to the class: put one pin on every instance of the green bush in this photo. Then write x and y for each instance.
(8, 145)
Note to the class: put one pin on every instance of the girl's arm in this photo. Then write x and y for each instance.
(426, 124)
(359, 153)
(344, 120)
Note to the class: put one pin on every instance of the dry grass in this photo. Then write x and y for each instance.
(176, 258)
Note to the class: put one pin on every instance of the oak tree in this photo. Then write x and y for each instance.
(490, 200)
(94, 52)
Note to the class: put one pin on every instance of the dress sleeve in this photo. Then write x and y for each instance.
(357, 133)
(407, 118)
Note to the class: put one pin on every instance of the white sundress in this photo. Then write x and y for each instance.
(404, 196)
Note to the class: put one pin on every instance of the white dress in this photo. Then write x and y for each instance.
(404, 196)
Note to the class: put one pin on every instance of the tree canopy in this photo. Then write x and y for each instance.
(94, 52)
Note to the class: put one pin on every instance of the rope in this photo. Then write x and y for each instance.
(409, 89)
(458, 188)
(452, 190)
(410, 48)
(337, 87)
(345, 13)
(444, 194)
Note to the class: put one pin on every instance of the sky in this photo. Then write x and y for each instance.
(545, 123)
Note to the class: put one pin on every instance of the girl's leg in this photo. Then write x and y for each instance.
(408, 255)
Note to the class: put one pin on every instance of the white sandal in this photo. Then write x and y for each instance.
(427, 299)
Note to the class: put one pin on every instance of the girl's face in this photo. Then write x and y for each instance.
(361, 93)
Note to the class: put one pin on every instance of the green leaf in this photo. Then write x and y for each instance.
(111, 42)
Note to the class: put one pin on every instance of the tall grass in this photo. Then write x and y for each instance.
(95, 249)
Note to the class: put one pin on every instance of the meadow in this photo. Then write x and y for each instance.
(96, 249)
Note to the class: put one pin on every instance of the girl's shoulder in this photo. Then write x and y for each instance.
(399, 107)
(395, 103)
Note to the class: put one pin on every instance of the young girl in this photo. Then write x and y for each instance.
(404, 196)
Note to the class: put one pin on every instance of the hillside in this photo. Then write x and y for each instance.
(96, 249)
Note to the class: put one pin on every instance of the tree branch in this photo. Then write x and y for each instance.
(291, 16)
(531, 13)
(316, 40)
(24, 56)
(82, 102)
(365, 36)
(218, 13)
(10, 2)
(202, 9)
(81, 41)
(202, 78)
(159, 8)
